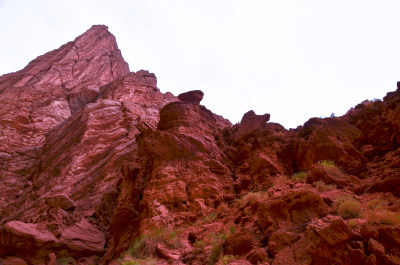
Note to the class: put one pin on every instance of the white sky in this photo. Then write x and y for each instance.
(294, 59)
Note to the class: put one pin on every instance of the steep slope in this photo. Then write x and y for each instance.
(63, 165)
(98, 165)
(45, 93)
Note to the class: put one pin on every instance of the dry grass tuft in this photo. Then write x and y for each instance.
(222, 209)
(382, 217)
(352, 223)
(327, 163)
(376, 204)
(322, 187)
(145, 261)
(299, 176)
(253, 197)
(349, 208)
(146, 245)
(331, 168)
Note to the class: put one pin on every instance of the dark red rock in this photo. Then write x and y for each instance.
(250, 124)
(194, 96)
(92, 157)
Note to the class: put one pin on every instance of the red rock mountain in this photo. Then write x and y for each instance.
(97, 166)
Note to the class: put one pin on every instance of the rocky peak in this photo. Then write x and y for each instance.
(95, 159)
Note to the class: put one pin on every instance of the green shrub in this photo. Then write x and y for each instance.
(145, 261)
(199, 246)
(326, 163)
(226, 259)
(232, 229)
(218, 245)
(349, 208)
(299, 176)
(145, 246)
(216, 251)
(330, 168)
(65, 261)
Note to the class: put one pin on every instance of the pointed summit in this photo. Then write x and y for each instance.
(49, 89)
(92, 58)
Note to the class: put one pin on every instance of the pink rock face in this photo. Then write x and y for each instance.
(33, 241)
(94, 159)
(82, 108)
(44, 94)
(61, 200)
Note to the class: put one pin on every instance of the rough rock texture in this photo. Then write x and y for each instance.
(194, 96)
(95, 159)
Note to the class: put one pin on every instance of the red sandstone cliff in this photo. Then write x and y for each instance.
(96, 164)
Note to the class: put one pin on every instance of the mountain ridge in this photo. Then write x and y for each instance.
(95, 159)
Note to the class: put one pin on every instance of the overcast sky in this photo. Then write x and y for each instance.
(294, 59)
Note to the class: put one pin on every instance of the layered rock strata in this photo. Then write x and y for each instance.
(95, 161)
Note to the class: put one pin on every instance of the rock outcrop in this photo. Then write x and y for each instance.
(97, 166)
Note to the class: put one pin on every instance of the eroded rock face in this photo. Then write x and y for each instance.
(33, 241)
(194, 96)
(94, 159)
(88, 133)
(45, 93)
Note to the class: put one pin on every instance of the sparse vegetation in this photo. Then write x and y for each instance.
(299, 176)
(251, 197)
(145, 261)
(343, 198)
(376, 204)
(218, 242)
(199, 246)
(226, 259)
(145, 246)
(232, 229)
(349, 208)
(222, 209)
(326, 163)
(380, 216)
(352, 223)
(65, 261)
(211, 217)
(331, 168)
(217, 248)
(322, 187)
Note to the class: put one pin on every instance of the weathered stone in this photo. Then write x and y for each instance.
(333, 229)
(92, 157)
(13, 261)
(61, 200)
(194, 96)
(249, 124)
(166, 253)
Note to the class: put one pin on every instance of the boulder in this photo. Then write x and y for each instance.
(332, 229)
(250, 124)
(61, 200)
(194, 96)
